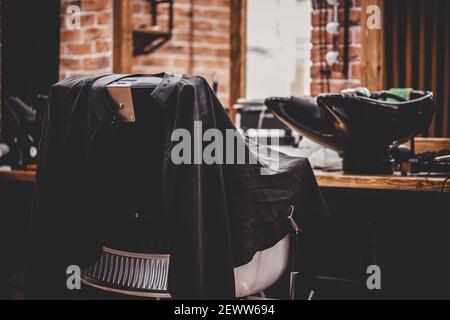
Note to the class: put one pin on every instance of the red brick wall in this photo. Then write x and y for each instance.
(87, 50)
(200, 42)
(338, 80)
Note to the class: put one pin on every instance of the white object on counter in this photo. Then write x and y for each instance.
(319, 156)
(4, 150)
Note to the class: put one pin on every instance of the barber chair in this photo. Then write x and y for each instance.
(360, 125)
(136, 258)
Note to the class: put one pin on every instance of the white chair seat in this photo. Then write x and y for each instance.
(266, 268)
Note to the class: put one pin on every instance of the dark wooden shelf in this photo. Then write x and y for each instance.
(150, 32)
(146, 41)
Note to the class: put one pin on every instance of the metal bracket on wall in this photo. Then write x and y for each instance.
(347, 6)
(148, 40)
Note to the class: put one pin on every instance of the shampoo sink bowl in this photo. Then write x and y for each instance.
(361, 127)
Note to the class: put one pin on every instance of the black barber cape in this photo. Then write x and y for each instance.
(220, 215)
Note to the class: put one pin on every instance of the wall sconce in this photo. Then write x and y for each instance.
(150, 39)
(333, 57)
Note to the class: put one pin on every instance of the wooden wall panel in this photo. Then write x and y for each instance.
(238, 51)
(123, 36)
(372, 53)
(416, 48)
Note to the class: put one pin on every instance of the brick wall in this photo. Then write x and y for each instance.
(338, 80)
(200, 42)
(87, 50)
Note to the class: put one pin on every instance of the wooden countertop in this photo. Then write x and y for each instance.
(381, 182)
(18, 176)
(325, 179)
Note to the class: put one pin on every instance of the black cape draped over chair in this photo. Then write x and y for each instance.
(220, 215)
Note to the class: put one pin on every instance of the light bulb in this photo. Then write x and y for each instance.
(332, 57)
(333, 28)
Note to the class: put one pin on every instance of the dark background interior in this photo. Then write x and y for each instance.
(30, 49)
(406, 233)
(417, 52)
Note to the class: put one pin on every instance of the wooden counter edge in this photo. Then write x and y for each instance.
(392, 182)
(18, 176)
(325, 179)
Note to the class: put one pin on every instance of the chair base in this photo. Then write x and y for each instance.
(146, 275)
(131, 274)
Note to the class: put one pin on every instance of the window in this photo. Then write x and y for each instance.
(278, 48)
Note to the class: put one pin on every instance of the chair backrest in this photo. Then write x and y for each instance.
(128, 178)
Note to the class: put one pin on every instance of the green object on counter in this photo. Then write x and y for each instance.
(405, 93)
